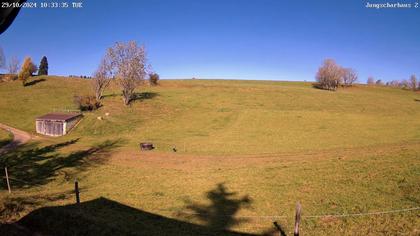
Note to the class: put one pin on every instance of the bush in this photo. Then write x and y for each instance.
(87, 103)
(154, 78)
(349, 76)
(28, 68)
(329, 75)
(370, 81)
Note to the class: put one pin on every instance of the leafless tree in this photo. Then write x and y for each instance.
(349, 76)
(394, 83)
(13, 66)
(102, 78)
(413, 82)
(370, 80)
(404, 84)
(329, 75)
(128, 66)
(2, 59)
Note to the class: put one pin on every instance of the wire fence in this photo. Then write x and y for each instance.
(339, 215)
(313, 216)
(272, 218)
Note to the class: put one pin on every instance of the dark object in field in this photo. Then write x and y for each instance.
(174, 149)
(146, 146)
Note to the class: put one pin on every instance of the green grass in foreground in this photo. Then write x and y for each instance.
(5, 137)
(353, 151)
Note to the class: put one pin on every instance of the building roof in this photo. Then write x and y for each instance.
(59, 116)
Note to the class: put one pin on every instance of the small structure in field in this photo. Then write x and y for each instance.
(56, 124)
(146, 146)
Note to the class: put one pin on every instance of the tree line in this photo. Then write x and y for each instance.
(27, 69)
(331, 76)
(411, 84)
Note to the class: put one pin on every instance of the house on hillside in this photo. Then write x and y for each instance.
(56, 124)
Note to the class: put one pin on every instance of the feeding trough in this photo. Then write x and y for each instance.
(146, 146)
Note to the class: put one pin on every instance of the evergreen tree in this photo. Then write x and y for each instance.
(43, 66)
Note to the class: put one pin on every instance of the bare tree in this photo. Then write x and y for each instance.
(128, 66)
(349, 76)
(379, 82)
(2, 59)
(101, 78)
(394, 83)
(13, 66)
(329, 75)
(413, 82)
(370, 80)
(404, 84)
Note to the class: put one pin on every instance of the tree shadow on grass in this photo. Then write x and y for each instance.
(35, 81)
(220, 213)
(144, 96)
(12, 207)
(103, 216)
(136, 96)
(30, 165)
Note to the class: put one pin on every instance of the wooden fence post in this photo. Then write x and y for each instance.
(7, 180)
(297, 219)
(76, 190)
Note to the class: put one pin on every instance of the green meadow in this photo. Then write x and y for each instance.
(246, 153)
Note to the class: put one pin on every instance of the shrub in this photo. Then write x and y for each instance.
(28, 68)
(153, 79)
(379, 82)
(87, 102)
(370, 80)
(329, 75)
(413, 82)
(349, 76)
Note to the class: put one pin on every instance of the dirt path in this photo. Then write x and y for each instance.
(19, 137)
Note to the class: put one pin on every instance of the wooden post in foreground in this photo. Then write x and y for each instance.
(297, 219)
(7, 180)
(76, 191)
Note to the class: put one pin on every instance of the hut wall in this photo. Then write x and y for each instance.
(51, 128)
(40, 126)
(70, 124)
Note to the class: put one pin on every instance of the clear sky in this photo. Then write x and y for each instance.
(233, 39)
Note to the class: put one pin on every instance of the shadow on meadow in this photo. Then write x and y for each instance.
(35, 81)
(220, 213)
(103, 216)
(136, 96)
(30, 165)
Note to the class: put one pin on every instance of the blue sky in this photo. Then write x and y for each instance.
(233, 39)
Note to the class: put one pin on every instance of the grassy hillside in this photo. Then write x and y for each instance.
(252, 150)
(5, 137)
(228, 117)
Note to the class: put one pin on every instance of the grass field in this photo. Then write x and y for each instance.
(5, 137)
(245, 148)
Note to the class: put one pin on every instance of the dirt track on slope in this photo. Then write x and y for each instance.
(19, 137)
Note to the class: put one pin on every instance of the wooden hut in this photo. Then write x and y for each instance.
(56, 124)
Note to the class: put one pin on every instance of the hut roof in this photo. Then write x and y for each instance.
(59, 116)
